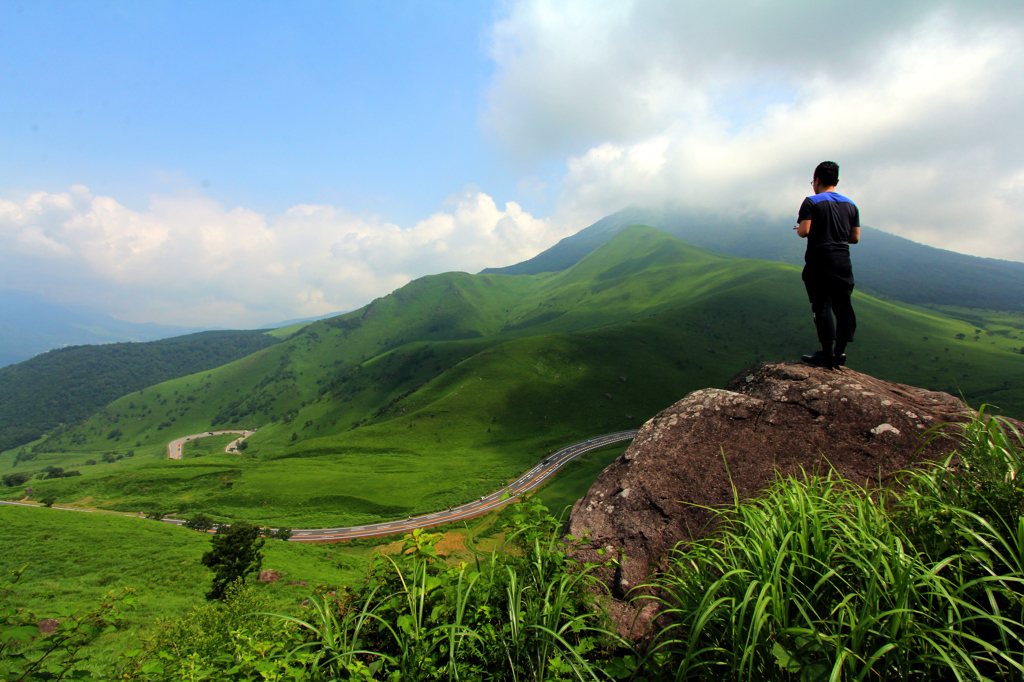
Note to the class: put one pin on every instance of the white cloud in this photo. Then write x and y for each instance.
(189, 260)
(728, 107)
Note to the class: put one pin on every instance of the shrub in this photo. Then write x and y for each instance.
(24, 456)
(15, 480)
(200, 522)
(235, 554)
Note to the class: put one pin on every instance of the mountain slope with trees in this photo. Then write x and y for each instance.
(66, 385)
(456, 383)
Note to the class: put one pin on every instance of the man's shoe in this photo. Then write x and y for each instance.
(841, 360)
(820, 359)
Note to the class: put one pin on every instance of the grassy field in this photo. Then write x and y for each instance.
(69, 564)
(210, 445)
(455, 384)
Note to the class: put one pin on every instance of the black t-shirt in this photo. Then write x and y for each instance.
(832, 216)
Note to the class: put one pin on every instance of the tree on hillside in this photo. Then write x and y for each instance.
(14, 480)
(235, 554)
(200, 522)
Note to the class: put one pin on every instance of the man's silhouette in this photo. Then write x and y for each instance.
(830, 223)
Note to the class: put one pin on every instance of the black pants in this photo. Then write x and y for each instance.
(829, 282)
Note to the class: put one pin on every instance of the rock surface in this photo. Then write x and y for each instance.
(269, 576)
(48, 626)
(777, 417)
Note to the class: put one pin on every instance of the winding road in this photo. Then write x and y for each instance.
(531, 480)
(177, 446)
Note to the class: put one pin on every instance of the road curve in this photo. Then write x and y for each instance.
(177, 446)
(531, 480)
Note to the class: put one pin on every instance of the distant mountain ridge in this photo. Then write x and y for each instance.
(887, 264)
(31, 324)
(300, 320)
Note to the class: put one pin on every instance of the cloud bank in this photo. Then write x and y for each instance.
(730, 107)
(717, 107)
(189, 260)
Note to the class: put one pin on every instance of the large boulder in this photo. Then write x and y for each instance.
(773, 419)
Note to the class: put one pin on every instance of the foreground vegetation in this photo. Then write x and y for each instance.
(817, 579)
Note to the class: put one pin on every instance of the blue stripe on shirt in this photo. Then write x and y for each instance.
(829, 196)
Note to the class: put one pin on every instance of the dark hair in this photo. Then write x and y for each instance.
(828, 173)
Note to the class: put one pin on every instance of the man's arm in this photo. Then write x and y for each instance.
(804, 228)
(854, 235)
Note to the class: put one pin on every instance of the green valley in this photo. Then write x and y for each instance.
(456, 383)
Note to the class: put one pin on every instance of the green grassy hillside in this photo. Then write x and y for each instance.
(69, 566)
(456, 383)
(69, 384)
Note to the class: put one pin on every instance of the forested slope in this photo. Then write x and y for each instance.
(68, 384)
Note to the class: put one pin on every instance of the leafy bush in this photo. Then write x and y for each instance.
(58, 472)
(200, 522)
(15, 480)
(24, 455)
(279, 534)
(235, 554)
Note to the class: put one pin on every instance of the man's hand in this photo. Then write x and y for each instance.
(803, 229)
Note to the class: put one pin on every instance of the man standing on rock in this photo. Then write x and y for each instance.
(830, 223)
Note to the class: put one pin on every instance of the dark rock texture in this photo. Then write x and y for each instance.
(773, 419)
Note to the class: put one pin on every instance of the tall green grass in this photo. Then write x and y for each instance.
(519, 612)
(820, 579)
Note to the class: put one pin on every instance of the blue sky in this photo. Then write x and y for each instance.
(230, 164)
(375, 106)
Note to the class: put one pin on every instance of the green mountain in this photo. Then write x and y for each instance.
(455, 383)
(68, 384)
(883, 263)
